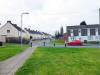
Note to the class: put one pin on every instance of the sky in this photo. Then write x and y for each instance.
(49, 15)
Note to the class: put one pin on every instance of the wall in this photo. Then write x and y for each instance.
(64, 37)
(13, 31)
(2, 39)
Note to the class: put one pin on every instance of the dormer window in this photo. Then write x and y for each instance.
(8, 31)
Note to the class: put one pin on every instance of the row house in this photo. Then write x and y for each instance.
(12, 30)
(34, 34)
(37, 34)
(84, 32)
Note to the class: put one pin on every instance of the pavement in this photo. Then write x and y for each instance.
(11, 65)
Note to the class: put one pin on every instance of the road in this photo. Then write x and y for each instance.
(47, 43)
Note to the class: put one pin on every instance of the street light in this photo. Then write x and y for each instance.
(22, 29)
(99, 15)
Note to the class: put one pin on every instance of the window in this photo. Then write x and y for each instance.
(69, 33)
(84, 32)
(92, 31)
(75, 32)
(98, 31)
(8, 31)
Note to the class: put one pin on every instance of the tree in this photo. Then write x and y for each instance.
(83, 23)
(57, 34)
(61, 31)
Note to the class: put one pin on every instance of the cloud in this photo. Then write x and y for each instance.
(49, 15)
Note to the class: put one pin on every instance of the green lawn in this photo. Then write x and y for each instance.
(9, 50)
(62, 61)
(57, 41)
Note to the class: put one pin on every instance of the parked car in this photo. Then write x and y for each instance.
(75, 42)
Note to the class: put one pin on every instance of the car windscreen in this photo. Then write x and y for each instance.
(74, 41)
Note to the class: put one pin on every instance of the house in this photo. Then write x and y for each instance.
(64, 37)
(84, 32)
(2, 39)
(34, 34)
(37, 34)
(10, 30)
(46, 35)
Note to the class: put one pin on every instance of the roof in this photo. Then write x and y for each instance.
(33, 31)
(84, 26)
(36, 32)
(45, 33)
(15, 25)
(18, 28)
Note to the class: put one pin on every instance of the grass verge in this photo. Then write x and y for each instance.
(62, 61)
(58, 41)
(9, 50)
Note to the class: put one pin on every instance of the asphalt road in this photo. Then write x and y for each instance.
(47, 43)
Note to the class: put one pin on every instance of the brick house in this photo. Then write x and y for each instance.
(84, 32)
(64, 37)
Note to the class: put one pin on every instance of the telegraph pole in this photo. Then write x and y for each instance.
(99, 20)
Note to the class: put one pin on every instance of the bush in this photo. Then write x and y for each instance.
(93, 42)
(16, 40)
(1, 43)
(85, 41)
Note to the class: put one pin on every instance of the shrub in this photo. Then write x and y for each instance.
(93, 42)
(85, 41)
(16, 40)
(1, 43)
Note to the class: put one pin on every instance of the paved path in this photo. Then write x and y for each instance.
(8, 67)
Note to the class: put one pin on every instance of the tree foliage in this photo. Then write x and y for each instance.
(61, 31)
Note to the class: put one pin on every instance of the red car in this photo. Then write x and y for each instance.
(75, 42)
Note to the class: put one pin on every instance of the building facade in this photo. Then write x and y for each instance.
(84, 32)
(64, 37)
(10, 30)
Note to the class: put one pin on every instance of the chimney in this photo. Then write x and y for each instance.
(9, 22)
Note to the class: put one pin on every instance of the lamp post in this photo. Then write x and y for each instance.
(99, 15)
(22, 29)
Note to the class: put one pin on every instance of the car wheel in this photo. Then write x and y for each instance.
(69, 44)
(79, 44)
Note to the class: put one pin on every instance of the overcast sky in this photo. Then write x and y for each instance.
(49, 15)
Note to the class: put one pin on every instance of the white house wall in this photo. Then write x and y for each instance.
(13, 31)
(88, 37)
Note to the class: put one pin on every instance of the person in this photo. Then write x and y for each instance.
(54, 44)
(44, 43)
(31, 42)
(65, 43)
